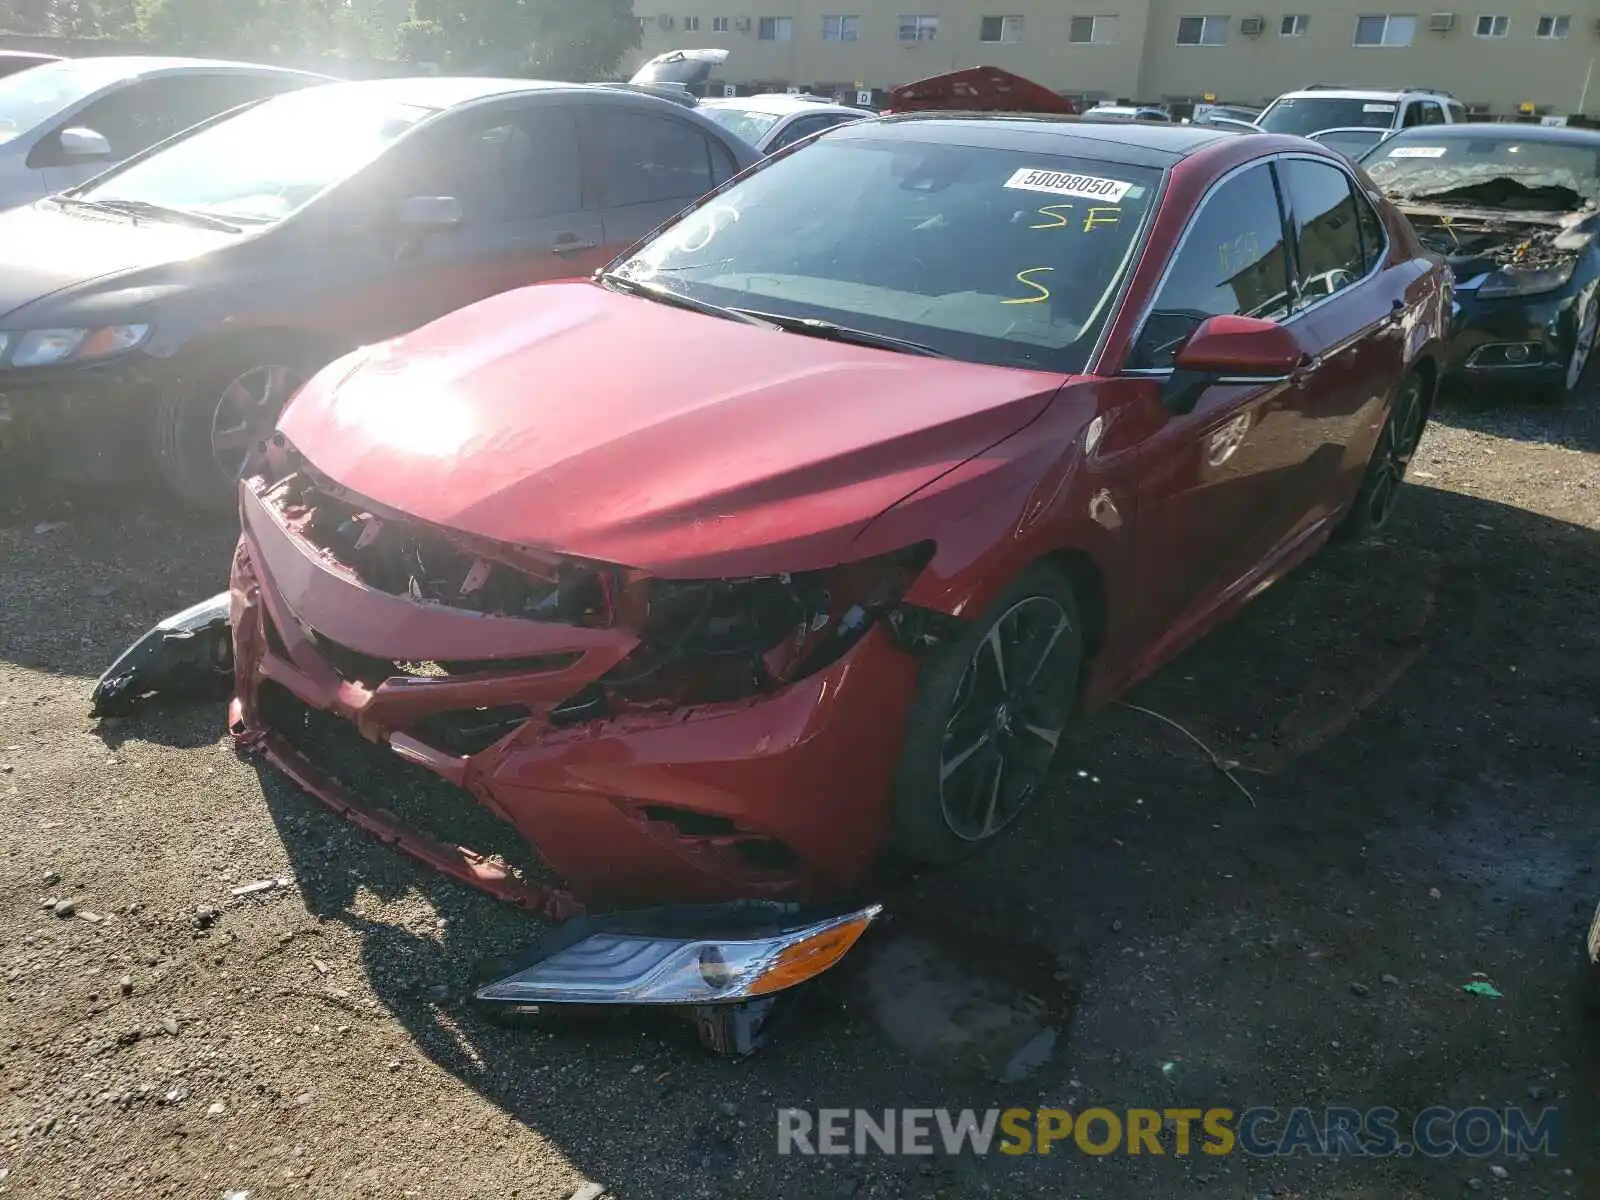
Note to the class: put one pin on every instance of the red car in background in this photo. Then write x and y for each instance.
(977, 89)
(806, 528)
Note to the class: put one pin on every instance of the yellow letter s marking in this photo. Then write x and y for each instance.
(1022, 278)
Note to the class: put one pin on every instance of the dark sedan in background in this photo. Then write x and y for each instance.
(12, 61)
(1515, 210)
(179, 300)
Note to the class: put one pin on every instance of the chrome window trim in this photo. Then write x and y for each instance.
(1194, 219)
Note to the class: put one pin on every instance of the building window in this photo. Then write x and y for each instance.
(1553, 28)
(1294, 25)
(1202, 31)
(1000, 29)
(719, 24)
(691, 24)
(1493, 26)
(918, 28)
(776, 29)
(841, 29)
(1385, 30)
(1092, 31)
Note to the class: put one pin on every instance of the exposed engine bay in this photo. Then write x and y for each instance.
(701, 641)
(1485, 223)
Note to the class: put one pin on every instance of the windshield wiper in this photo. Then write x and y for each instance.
(665, 295)
(158, 212)
(818, 328)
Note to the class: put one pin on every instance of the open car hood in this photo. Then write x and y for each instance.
(688, 68)
(977, 89)
(573, 419)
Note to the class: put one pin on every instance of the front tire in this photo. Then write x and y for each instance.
(226, 404)
(989, 713)
(1386, 469)
(1586, 325)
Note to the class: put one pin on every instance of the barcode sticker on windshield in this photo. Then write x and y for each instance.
(1060, 183)
(1417, 152)
(1379, 108)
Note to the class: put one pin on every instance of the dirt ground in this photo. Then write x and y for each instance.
(1416, 721)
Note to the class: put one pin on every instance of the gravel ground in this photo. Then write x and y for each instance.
(1415, 720)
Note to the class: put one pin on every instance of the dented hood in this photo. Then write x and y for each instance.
(571, 418)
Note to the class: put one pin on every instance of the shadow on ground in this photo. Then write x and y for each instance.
(1415, 723)
(1574, 425)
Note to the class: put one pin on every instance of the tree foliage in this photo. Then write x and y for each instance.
(551, 39)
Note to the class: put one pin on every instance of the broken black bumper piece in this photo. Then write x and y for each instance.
(188, 656)
(725, 966)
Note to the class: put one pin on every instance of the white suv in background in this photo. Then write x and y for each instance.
(1358, 114)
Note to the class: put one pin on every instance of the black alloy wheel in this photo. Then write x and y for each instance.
(990, 713)
(1386, 469)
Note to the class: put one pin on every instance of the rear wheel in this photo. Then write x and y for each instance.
(227, 404)
(1386, 469)
(989, 713)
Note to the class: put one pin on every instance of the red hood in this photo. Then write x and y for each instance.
(574, 419)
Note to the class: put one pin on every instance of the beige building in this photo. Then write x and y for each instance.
(1498, 56)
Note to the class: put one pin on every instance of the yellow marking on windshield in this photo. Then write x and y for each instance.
(1056, 211)
(1022, 278)
(1101, 216)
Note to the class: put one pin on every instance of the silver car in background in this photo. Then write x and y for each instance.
(773, 120)
(63, 123)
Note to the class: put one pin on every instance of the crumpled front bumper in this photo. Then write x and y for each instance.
(784, 796)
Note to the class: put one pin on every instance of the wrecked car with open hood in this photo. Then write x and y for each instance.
(1515, 210)
(805, 530)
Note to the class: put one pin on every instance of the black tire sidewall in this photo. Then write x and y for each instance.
(918, 830)
(182, 424)
(1357, 523)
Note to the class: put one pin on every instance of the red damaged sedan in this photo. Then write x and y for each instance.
(804, 530)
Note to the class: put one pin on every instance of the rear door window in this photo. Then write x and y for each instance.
(1327, 229)
(1231, 262)
(638, 158)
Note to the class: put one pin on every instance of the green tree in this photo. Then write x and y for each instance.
(547, 39)
(274, 29)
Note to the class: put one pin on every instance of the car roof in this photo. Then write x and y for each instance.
(446, 91)
(1509, 130)
(112, 67)
(776, 102)
(1157, 144)
(1391, 94)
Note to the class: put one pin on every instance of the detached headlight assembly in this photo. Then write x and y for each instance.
(1526, 281)
(48, 347)
(719, 954)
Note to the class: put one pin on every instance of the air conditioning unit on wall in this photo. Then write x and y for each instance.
(1442, 22)
(1252, 26)
(742, 24)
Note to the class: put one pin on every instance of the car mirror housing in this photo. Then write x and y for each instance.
(80, 142)
(1231, 349)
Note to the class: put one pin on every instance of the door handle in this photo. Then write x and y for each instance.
(1307, 367)
(1396, 317)
(571, 245)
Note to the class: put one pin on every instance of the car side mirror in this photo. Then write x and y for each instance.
(420, 215)
(80, 143)
(1230, 349)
